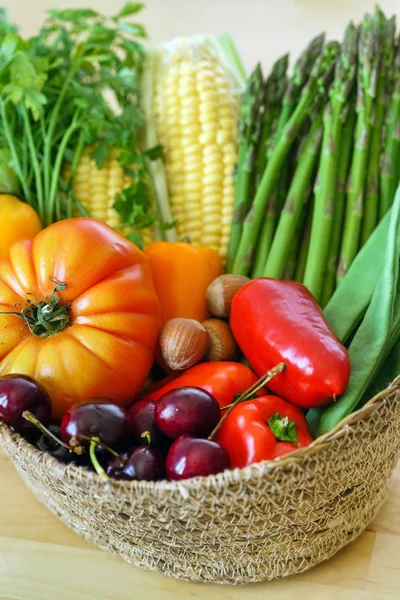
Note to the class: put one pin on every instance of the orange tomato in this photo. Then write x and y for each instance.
(18, 221)
(96, 335)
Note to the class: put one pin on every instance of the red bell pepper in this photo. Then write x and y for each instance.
(223, 380)
(279, 321)
(263, 429)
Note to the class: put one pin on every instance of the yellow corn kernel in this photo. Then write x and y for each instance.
(96, 190)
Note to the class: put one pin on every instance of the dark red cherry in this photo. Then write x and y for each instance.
(144, 462)
(141, 422)
(97, 418)
(187, 411)
(192, 457)
(46, 444)
(19, 393)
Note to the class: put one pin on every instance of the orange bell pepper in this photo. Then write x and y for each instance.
(181, 274)
(18, 221)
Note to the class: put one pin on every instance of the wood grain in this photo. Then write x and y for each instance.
(41, 559)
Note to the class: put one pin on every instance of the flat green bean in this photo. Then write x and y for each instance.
(378, 332)
(348, 304)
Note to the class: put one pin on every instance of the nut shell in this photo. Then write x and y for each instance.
(222, 345)
(183, 343)
(221, 291)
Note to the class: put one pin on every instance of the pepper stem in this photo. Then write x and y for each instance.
(280, 368)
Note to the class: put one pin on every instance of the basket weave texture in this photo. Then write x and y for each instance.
(268, 520)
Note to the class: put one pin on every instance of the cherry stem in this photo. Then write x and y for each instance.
(98, 442)
(96, 465)
(147, 436)
(280, 368)
(32, 419)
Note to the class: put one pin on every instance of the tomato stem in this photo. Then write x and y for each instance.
(245, 395)
(44, 317)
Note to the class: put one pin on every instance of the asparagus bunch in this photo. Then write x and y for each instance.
(301, 73)
(369, 58)
(320, 77)
(325, 187)
(274, 89)
(348, 95)
(386, 30)
(249, 125)
(294, 204)
(390, 171)
(345, 155)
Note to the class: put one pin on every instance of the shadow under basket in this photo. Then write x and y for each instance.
(272, 519)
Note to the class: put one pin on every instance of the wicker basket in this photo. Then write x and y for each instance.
(269, 520)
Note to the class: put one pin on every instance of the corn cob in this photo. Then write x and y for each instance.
(196, 107)
(96, 189)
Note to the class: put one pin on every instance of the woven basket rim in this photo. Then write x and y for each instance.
(68, 471)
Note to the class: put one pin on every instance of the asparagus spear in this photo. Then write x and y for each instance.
(320, 77)
(387, 30)
(274, 89)
(301, 73)
(305, 244)
(297, 241)
(248, 128)
(369, 51)
(295, 200)
(325, 186)
(346, 149)
(391, 154)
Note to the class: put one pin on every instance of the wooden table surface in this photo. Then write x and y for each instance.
(41, 559)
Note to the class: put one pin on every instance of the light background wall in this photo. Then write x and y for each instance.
(262, 29)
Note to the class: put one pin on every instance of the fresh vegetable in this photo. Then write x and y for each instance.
(347, 306)
(195, 95)
(344, 163)
(386, 31)
(279, 321)
(249, 124)
(263, 429)
(78, 309)
(390, 172)
(181, 274)
(367, 77)
(378, 333)
(49, 86)
(18, 221)
(324, 189)
(277, 258)
(97, 188)
(319, 78)
(223, 380)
